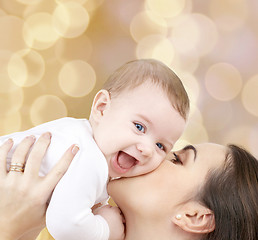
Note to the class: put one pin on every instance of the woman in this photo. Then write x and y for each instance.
(206, 191)
(23, 194)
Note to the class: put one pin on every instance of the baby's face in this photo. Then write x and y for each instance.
(137, 130)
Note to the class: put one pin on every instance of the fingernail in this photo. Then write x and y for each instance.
(9, 141)
(47, 135)
(32, 137)
(75, 149)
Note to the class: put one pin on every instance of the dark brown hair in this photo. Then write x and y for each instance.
(232, 194)
(134, 73)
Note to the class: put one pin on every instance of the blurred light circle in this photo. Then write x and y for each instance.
(47, 108)
(195, 114)
(250, 96)
(38, 32)
(125, 12)
(223, 81)
(6, 84)
(164, 51)
(41, 7)
(190, 33)
(214, 115)
(188, 9)
(166, 8)
(70, 19)
(229, 15)
(11, 102)
(156, 46)
(208, 35)
(11, 33)
(185, 61)
(147, 23)
(77, 78)
(195, 132)
(75, 48)
(26, 68)
(191, 86)
(10, 123)
(184, 29)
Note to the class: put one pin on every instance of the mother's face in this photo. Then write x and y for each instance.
(172, 183)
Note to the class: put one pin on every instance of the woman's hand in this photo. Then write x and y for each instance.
(115, 220)
(24, 195)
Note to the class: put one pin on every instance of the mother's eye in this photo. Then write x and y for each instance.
(140, 127)
(176, 159)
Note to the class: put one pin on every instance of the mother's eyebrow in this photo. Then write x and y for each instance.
(190, 147)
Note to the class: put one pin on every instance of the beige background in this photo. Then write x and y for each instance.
(55, 55)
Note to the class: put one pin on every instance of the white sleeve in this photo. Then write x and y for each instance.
(69, 214)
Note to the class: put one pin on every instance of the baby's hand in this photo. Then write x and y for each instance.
(115, 219)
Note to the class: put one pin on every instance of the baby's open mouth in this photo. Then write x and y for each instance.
(125, 161)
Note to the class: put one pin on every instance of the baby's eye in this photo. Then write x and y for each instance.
(160, 146)
(140, 127)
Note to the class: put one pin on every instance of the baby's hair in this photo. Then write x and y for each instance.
(134, 73)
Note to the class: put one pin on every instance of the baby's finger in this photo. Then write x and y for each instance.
(53, 177)
(20, 153)
(37, 154)
(4, 149)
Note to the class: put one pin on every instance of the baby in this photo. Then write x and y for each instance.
(135, 120)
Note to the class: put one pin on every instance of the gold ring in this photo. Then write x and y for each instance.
(17, 167)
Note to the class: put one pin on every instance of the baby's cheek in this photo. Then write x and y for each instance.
(156, 164)
(160, 160)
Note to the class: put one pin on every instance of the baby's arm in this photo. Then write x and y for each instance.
(69, 214)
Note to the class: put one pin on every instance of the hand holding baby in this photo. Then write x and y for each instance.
(115, 220)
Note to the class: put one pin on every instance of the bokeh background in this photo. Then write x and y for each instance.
(55, 55)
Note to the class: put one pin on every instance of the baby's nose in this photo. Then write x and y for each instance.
(145, 149)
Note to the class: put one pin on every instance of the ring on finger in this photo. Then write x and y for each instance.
(17, 167)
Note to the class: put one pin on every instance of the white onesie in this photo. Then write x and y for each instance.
(69, 214)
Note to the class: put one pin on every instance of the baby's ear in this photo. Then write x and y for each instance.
(100, 104)
(195, 218)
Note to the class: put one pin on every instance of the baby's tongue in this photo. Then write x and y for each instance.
(125, 161)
